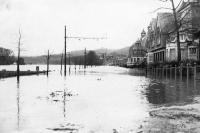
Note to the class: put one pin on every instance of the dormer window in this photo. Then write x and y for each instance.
(182, 37)
(172, 38)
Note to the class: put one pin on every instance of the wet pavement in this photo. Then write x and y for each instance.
(102, 99)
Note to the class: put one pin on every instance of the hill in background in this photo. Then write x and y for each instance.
(55, 58)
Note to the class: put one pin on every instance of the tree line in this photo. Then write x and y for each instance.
(7, 57)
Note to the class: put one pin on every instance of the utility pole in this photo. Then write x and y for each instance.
(177, 32)
(18, 57)
(85, 59)
(79, 38)
(65, 58)
(48, 63)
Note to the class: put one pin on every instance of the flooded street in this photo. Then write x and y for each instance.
(102, 99)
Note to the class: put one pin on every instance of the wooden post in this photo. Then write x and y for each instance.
(170, 71)
(188, 71)
(163, 70)
(146, 71)
(175, 72)
(195, 71)
(65, 58)
(166, 72)
(181, 71)
(48, 63)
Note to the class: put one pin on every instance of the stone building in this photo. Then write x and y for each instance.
(189, 13)
(137, 52)
(156, 37)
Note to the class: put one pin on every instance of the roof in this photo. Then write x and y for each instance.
(165, 22)
(143, 32)
(137, 50)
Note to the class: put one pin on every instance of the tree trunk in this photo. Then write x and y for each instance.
(177, 33)
(18, 57)
(199, 48)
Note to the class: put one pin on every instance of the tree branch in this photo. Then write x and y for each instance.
(160, 9)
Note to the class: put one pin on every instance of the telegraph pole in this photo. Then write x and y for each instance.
(65, 58)
(79, 38)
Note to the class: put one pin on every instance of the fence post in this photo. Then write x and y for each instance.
(181, 74)
(146, 70)
(187, 71)
(175, 71)
(170, 71)
(195, 71)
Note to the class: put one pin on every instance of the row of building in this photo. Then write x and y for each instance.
(159, 43)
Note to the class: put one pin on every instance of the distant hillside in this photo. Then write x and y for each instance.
(55, 59)
(122, 51)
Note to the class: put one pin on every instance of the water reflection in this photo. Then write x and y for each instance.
(64, 103)
(18, 103)
(155, 93)
(171, 91)
(136, 72)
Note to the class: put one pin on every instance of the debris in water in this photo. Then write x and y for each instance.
(67, 127)
(115, 131)
(62, 129)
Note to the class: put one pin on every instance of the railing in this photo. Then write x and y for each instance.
(174, 71)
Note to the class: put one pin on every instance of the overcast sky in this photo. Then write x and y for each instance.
(42, 23)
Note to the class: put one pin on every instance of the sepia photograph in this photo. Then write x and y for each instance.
(99, 66)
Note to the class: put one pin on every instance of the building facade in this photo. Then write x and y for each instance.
(156, 37)
(189, 13)
(161, 41)
(137, 52)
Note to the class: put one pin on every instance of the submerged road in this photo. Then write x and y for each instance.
(102, 99)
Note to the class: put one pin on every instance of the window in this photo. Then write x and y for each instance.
(192, 50)
(172, 54)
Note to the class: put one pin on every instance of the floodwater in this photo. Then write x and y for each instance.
(103, 99)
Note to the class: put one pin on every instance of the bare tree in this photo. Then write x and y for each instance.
(177, 31)
(18, 57)
(179, 21)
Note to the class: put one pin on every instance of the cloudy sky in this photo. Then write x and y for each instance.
(42, 23)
